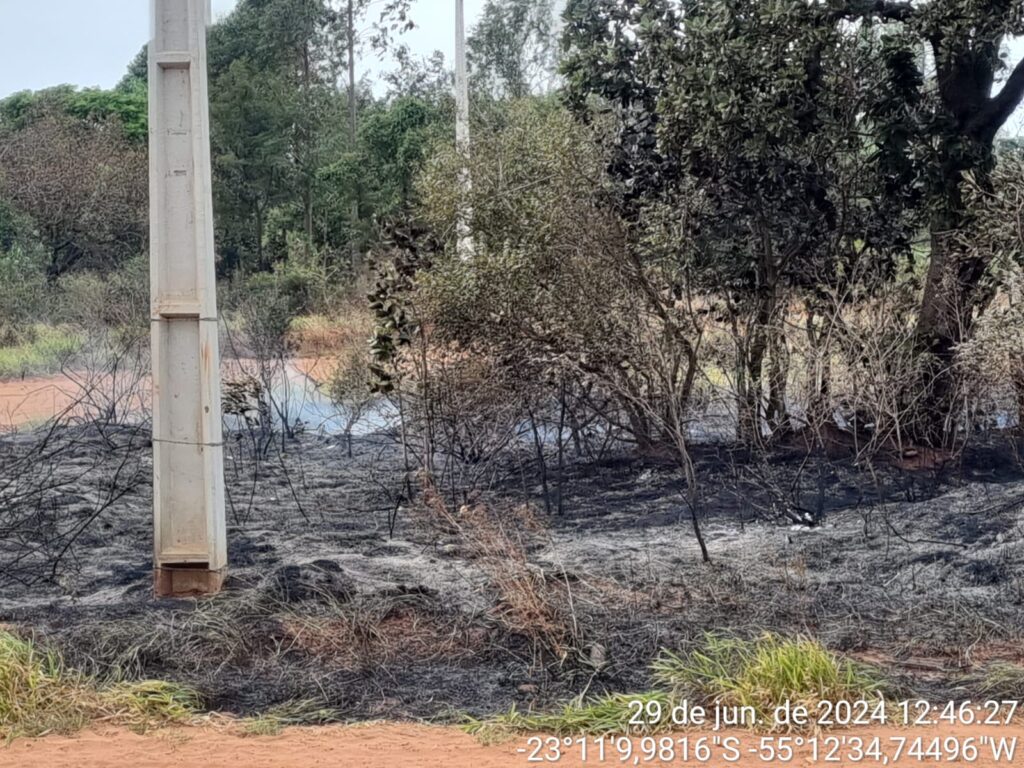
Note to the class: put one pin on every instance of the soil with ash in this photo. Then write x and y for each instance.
(345, 597)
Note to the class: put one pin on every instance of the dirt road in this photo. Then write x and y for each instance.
(420, 746)
(35, 399)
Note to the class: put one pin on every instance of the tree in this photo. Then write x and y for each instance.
(273, 65)
(251, 121)
(736, 148)
(557, 294)
(393, 17)
(761, 102)
(126, 104)
(396, 143)
(83, 184)
(299, 34)
(428, 78)
(952, 130)
(513, 48)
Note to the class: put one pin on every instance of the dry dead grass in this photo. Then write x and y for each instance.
(498, 540)
(355, 638)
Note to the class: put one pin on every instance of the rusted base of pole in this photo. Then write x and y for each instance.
(188, 580)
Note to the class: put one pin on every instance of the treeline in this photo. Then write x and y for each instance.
(310, 163)
(783, 210)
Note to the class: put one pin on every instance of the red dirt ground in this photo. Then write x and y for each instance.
(384, 745)
(34, 400)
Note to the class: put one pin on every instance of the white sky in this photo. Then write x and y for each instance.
(91, 42)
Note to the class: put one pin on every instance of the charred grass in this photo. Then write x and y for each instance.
(359, 606)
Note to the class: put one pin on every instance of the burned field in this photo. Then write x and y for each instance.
(348, 600)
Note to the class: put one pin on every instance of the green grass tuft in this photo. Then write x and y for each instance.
(300, 712)
(1002, 680)
(764, 674)
(40, 695)
(599, 716)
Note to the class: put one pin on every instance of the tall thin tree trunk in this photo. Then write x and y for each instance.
(259, 237)
(462, 140)
(307, 151)
(353, 134)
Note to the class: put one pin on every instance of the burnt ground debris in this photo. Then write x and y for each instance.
(342, 594)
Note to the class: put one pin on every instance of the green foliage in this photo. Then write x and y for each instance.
(769, 142)
(396, 142)
(284, 160)
(612, 70)
(285, 165)
(23, 289)
(397, 322)
(13, 227)
(536, 180)
(137, 75)
(39, 695)
(291, 713)
(97, 301)
(513, 49)
(764, 674)
(127, 105)
(602, 716)
(266, 304)
(36, 349)
(251, 113)
(1000, 681)
(428, 78)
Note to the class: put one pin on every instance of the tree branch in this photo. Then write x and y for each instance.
(890, 10)
(1001, 106)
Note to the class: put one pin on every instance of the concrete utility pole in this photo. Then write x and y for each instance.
(465, 245)
(190, 540)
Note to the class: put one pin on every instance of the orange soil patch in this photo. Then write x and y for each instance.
(319, 369)
(386, 745)
(34, 400)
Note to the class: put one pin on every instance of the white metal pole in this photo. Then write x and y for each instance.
(190, 540)
(462, 137)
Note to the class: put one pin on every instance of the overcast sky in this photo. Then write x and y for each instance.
(91, 42)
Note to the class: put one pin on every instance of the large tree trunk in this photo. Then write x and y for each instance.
(967, 59)
(953, 293)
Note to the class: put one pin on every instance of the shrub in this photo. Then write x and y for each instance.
(350, 384)
(116, 301)
(266, 308)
